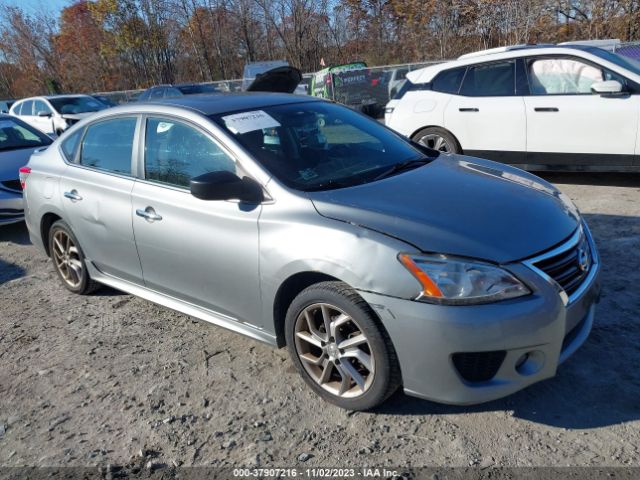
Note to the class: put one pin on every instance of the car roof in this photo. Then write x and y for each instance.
(427, 74)
(51, 97)
(214, 104)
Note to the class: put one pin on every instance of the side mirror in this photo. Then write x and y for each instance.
(42, 113)
(224, 185)
(608, 87)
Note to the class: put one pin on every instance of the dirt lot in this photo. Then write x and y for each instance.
(111, 378)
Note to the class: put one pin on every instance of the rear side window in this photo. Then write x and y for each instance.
(70, 145)
(490, 80)
(448, 81)
(108, 145)
(27, 108)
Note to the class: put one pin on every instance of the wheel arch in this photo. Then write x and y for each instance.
(47, 220)
(289, 289)
(439, 127)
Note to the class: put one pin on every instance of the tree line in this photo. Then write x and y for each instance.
(106, 45)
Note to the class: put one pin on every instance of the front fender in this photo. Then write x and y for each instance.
(307, 242)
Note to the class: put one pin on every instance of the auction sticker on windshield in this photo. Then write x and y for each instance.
(250, 121)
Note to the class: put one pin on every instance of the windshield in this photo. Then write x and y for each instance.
(196, 89)
(70, 105)
(620, 60)
(318, 146)
(15, 135)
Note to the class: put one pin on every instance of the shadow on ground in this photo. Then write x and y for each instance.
(15, 233)
(583, 178)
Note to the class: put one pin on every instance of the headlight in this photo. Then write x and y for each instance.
(452, 281)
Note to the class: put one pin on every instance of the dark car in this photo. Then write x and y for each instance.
(172, 91)
(5, 105)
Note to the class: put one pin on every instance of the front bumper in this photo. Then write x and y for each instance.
(11, 207)
(525, 339)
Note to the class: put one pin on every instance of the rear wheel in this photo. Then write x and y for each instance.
(339, 347)
(437, 139)
(68, 260)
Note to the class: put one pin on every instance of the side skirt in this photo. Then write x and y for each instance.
(183, 307)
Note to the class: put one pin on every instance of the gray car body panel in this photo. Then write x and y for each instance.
(225, 262)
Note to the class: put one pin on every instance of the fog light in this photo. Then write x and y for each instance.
(530, 363)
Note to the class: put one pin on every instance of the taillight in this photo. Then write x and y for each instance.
(24, 173)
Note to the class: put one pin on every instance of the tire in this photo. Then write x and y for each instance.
(68, 260)
(324, 364)
(438, 139)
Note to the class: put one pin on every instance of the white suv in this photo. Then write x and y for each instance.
(54, 114)
(546, 107)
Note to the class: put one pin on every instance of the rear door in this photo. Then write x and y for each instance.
(97, 195)
(26, 113)
(568, 125)
(487, 116)
(43, 117)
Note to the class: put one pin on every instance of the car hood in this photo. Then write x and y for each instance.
(459, 206)
(12, 160)
(279, 79)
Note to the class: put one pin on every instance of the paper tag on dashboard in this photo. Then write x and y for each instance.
(249, 121)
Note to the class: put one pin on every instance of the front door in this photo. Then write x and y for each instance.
(97, 197)
(201, 252)
(568, 125)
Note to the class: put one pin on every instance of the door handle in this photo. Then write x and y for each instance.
(469, 109)
(148, 214)
(73, 195)
(546, 109)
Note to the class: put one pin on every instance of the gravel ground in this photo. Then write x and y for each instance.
(113, 379)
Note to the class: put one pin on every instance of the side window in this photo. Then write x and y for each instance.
(17, 109)
(108, 145)
(175, 153)
(27, 108)
(40, 106)
(172, 93)
(561, 76)
(70, 145)
(156, 93)
(490, 80)
(448, 81)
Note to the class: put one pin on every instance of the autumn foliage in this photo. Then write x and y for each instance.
(104, 45)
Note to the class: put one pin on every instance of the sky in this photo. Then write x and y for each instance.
(34, 6)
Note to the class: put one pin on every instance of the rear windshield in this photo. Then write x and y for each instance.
(318, 146)
(71, 105)
(15, 135)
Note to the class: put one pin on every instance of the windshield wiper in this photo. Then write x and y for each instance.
(402, 166)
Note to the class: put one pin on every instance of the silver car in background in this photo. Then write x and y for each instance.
(379, 263)
(17, 142)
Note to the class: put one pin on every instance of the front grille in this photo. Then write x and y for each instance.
(478, 366)
(12, 185)
(570, 267)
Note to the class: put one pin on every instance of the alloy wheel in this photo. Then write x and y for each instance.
(435, 142)
(67, 258)
(334, 350)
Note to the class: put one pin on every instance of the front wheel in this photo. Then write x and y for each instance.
(438, 139)
(339, 347)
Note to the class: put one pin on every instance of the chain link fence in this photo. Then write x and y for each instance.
(366, 89)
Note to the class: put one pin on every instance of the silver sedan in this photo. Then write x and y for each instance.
(379, 263)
